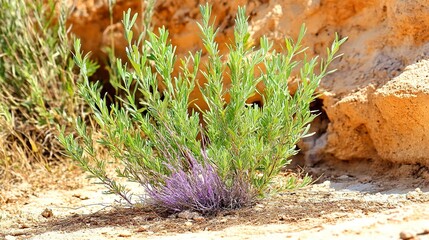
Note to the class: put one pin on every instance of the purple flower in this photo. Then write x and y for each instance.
(197, 188)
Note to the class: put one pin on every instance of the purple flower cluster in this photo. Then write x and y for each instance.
(198, 187)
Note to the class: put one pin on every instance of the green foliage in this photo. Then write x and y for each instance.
(243, 142)
(37, 83)
(249, 140)
(145, 25)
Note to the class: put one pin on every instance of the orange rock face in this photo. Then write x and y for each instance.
(377, 101)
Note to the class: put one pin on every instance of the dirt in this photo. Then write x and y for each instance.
(343, 205)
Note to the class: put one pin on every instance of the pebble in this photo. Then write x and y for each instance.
(406, 235)
(259, 207)
(415, 195)
(190, 215)
(78, 195)
(343, 177)
(188, 224)
(142, 229)
(24, 226)
(47, 213)
(365, 179)
(198, 218)
(326, 184)
(124, 235)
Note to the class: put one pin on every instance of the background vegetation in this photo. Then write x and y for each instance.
(37, 86)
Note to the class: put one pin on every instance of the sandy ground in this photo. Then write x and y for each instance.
(343, 207)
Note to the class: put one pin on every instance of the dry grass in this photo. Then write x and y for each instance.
(37, 88)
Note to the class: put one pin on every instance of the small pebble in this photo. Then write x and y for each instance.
(406, 235)
(124, 235)
(326, 184)
(47, 213)
(141, 229)
(365, 179)
(198, 218)
(24, 226)
(11, 200)
(343, 177)
(259, 207)
(188, 215)
(188, 224)
(78, 195)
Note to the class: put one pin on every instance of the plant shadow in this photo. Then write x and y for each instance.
(286, 208)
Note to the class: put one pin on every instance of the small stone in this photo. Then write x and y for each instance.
(198, 218)
(47, 213)
(188, 224)
(259, 207)
(184, 215)
(11, 200)
(9, 237)
(415, 195)
(326, 184)
(24, 226)
(343, 177)
(141, 229)
(78, 195)
(365, 179)
(124, 235)
(406, 235)
(188, 215)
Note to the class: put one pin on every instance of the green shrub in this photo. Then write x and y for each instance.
(156, 137)
(37, 83)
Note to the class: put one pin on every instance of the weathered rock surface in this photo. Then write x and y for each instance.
(377, 102)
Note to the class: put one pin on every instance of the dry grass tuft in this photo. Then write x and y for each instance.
(37, 87)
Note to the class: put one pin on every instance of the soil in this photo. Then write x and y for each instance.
(344, 204)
